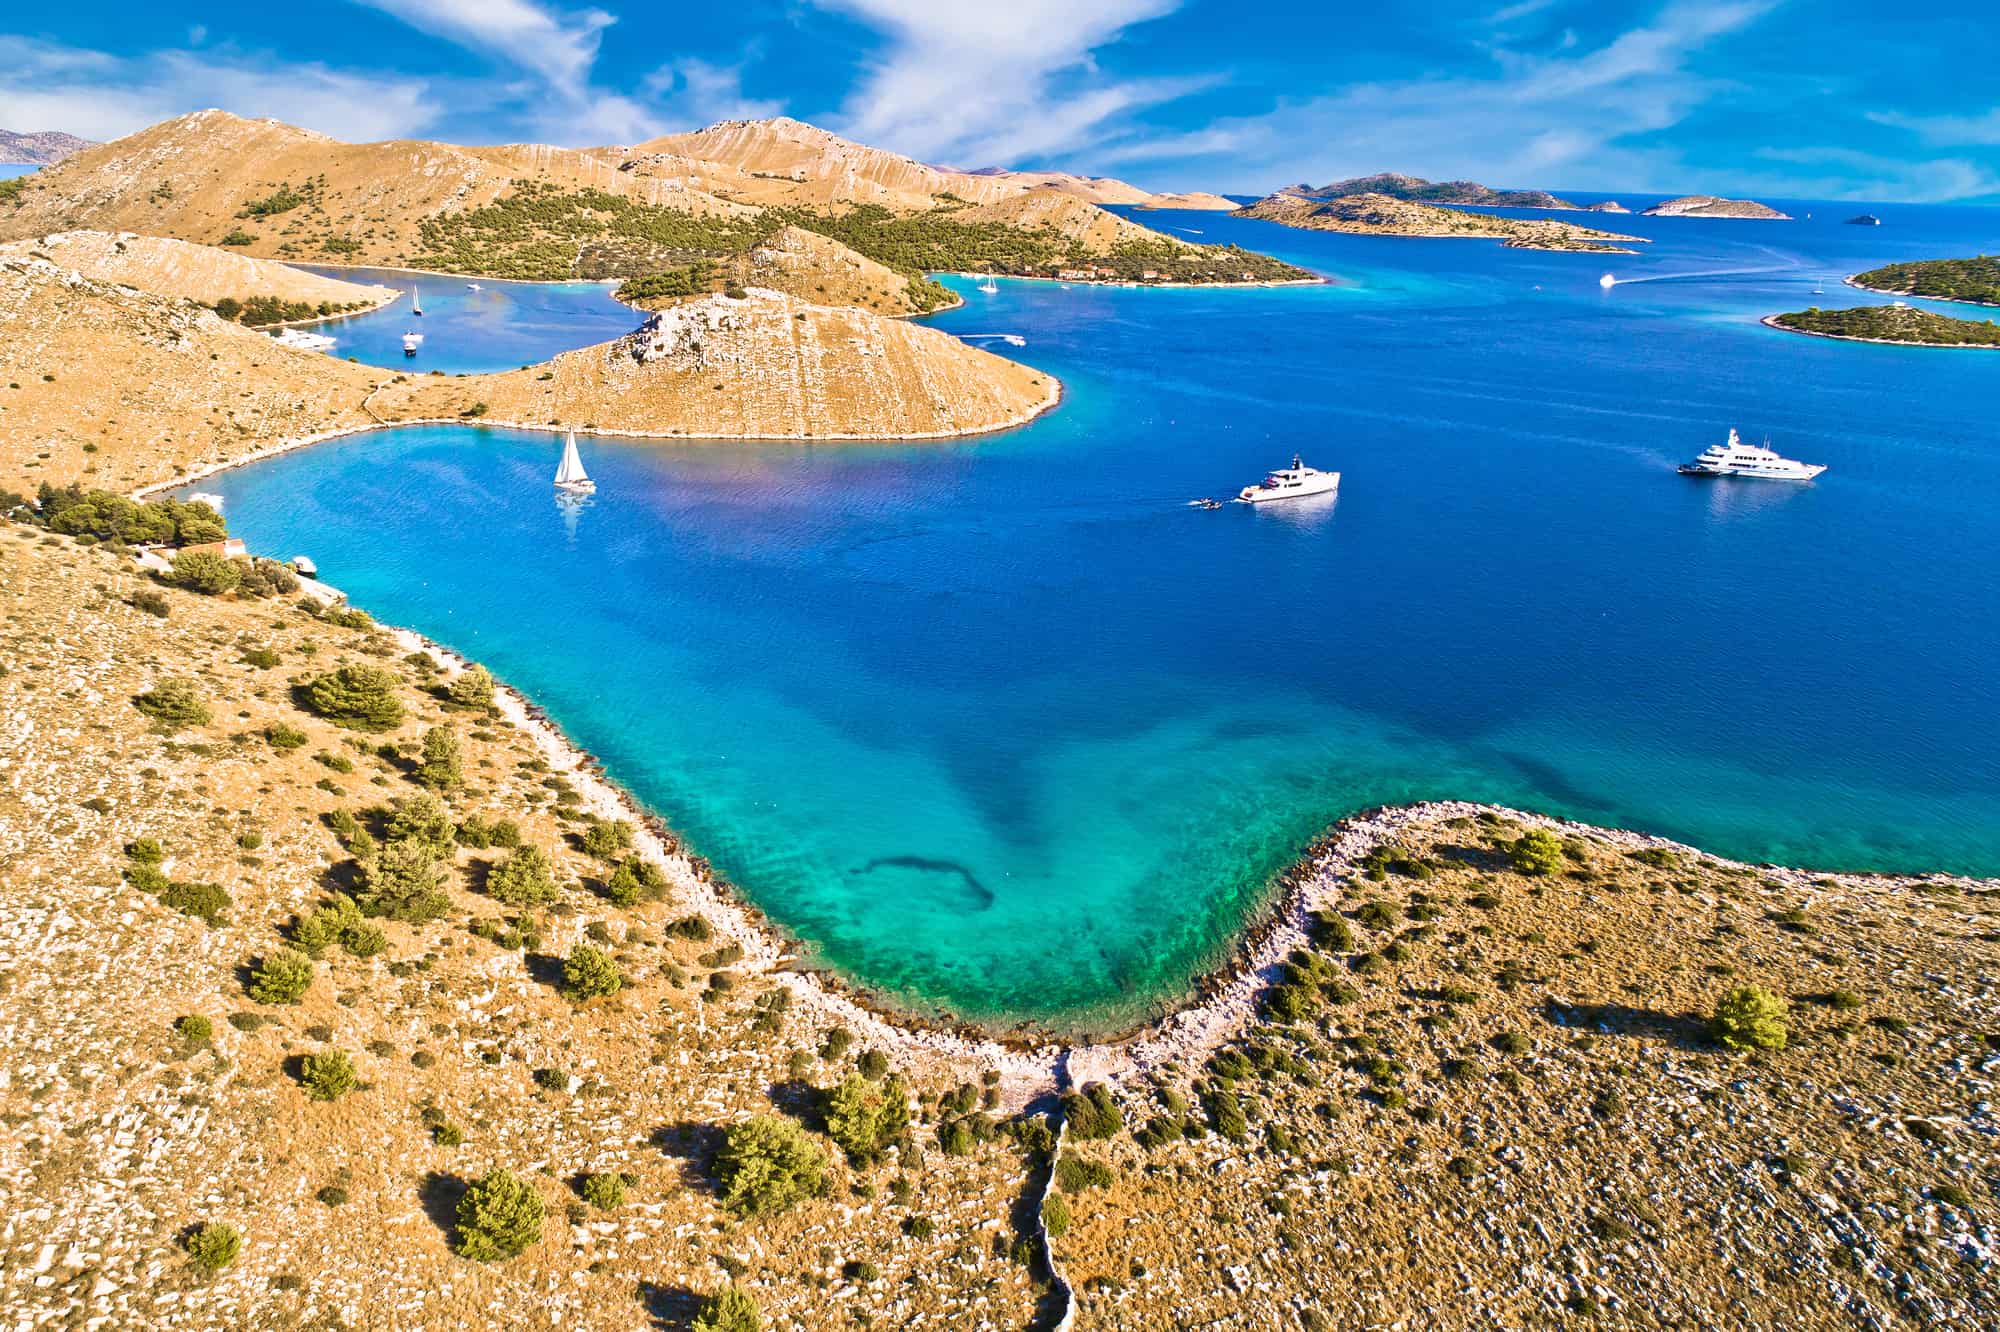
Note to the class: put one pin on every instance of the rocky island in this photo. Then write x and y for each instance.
(40, 148)
(1709, 205)
(1380, 215)
(1890, 323)
(1974, 281)
(1415, 189)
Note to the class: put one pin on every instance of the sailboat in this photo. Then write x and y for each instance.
(416, 302)
(989, 287)
(1819, 286)
(570, 477)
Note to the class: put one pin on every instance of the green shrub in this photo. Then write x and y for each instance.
(194, 1029)
(439, 768)
(321, 927)
(1750, 1018)
(206, 901)
(606, 1192)
(471, 688)
(1075, 1173)
(728, 1310)
(213, 1245)
(361, 698)
(1225, 1113)
(1055, 1215)
(525, 878)
(1092, 1114)
(362, 939)
(499, 1217)
(144, 851)
(864, 1116)
(1379, 915)
(1536, 851)
(327, 1076)
(423, 818)
(767, 1164)
(206, 572)
(402, 880)
(589, 973)
(281, 977)
(174, 705)
(607, 839)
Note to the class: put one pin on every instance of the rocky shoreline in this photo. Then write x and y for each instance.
(1772, 321)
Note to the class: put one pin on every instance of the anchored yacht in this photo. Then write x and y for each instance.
(1739, 459)
(1294, 482)
(412, 341)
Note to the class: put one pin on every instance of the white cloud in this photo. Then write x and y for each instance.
(696, 94)
(1970, 131)
(1535, 120)
(983, 84)
(102, 96)
(1851, 174)
(560, 48)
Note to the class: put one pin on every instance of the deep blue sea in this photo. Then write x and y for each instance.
(1003, 726)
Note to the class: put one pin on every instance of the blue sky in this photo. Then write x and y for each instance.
(1789, 98)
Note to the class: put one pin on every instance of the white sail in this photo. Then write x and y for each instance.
(571, 472)
(416, 302)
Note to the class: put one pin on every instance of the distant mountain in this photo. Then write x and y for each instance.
(1383, 215)
(1414, 189)
(1709, 205)
(42, 147)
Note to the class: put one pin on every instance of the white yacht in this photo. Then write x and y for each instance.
(412, 341)
(571, 479)
(1295, 482)
(1739, 459)
(416, 303)
(989, 287)
(304, 341)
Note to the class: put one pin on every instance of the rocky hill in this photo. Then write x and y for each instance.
(204, 273)
(119, 388)
(1708, 205)
(1380, 215)
(1415, 189)
(1195, 200)
(42, 147)
(789, 369)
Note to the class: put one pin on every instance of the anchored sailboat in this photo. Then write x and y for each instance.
(570, 477)
(416, 302)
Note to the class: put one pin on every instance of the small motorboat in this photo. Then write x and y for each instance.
(472, 286)
(1205, 502)
(412, 341)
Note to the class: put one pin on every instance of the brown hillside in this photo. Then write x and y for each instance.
(154, 385)
(1196, 200)
(770, 366)
(204, 273)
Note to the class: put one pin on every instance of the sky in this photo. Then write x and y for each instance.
(1802, 99)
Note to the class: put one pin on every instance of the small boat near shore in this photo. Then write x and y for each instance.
(412, 341)
(1295, 482)
(301, 340)
(571, 479)
(1735, 458)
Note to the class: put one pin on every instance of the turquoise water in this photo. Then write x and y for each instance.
(1001, 726)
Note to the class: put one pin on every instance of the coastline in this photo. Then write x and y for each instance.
(1178, 286)
(1506, 242)
(1911, 295)
(1771, 321)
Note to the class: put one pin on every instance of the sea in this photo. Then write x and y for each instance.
(1003, 728)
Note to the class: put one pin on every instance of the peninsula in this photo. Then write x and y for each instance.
(1415, 189)
(1709, 205)
(1974, 281)
(1889, 323)
(1380, 215)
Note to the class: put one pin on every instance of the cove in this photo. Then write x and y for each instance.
(1003, 728)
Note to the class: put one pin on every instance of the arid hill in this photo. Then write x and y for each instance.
(1415, 189)
(1708, 205)
(1380, 215)
(44, 147)
(768, 366)
(1195, 200)
(119, 388)
(814, 268)
(204, 273)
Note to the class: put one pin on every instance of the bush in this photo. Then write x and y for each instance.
(728, 1310)
(423, 818)
(204, 900)
(589, 973)
(281, 977)
(402, 881)
(604, 1191)
(174, 705)
(206, 572)
(213, 1245)
(864, 1116)
(327, 1076)
(524, 879)
(1750, 1018)
(281, 737)
(361, 698)
(1537, 851)
(194, 1029)
(323, 925)
(1055, 1215)
(767, 1164)
(361, 939)
(145, 851)
(499, 1217)
(607, 839)
(152, 603)
(1092, 1114)
(1074, 1174)
(439, 768)
(473, 688)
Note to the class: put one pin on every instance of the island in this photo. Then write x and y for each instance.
(1709, 205)
(1608, 206)
(1864, 220)
(1974, 281)
(38, 147)
(1898, 323)
(1380, 215)
(1415, 189)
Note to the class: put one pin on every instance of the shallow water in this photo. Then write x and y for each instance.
(1002, 726)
